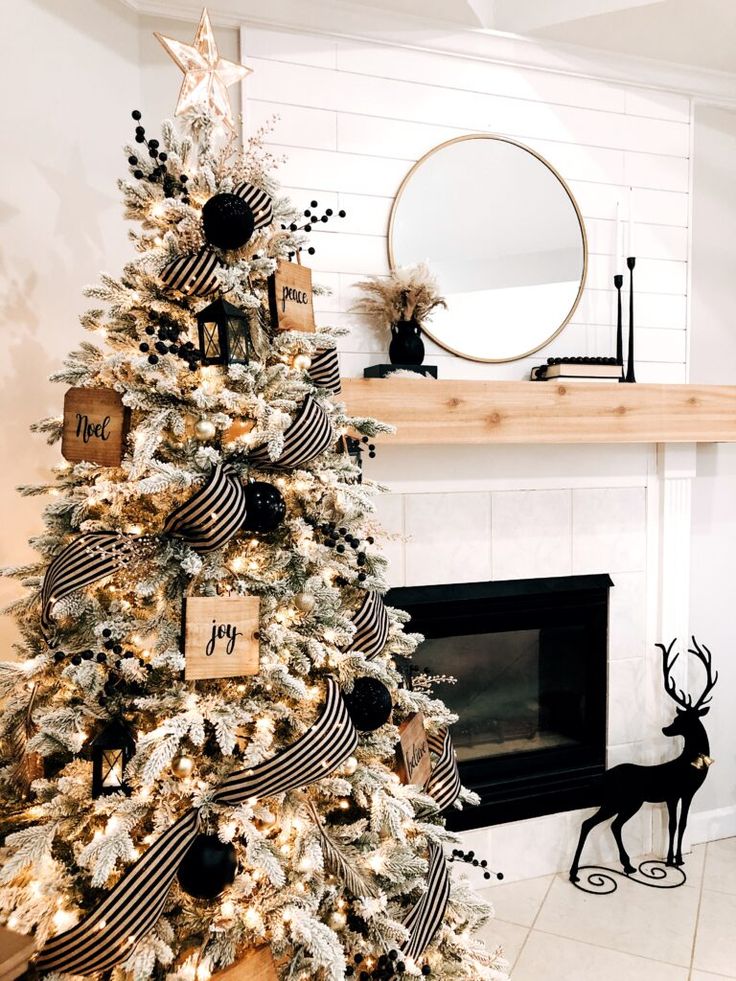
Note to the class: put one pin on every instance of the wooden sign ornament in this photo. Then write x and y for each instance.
(415, 765)
(96, 424)
(256, 965)
(290, 297)
(220, 636)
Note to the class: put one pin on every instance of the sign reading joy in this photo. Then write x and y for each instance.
(290, 297)
(220, 636)
(95, 426)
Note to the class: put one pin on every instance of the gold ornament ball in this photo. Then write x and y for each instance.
(182, 766)
(350, 766)
(338, 920)
(205, 430)
(304, 602)
(302, 362)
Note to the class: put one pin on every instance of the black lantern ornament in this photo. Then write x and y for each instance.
(208, 867)
(111, 751)
(225, 334)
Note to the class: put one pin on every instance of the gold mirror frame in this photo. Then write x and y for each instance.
(571, 196)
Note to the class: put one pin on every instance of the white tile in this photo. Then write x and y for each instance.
(507, 937)
(720, 866)
(705, 976)
(609, 533)
(715, 947)
(390, 515)
(653, 923)
(517, 902)
(627, 701)
(448, 538)
(531, 534)
(627, 616)
(548, 958)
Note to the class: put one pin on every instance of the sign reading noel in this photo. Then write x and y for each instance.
(220, 636)
(290, 297)
(95, 426)
(415, 765)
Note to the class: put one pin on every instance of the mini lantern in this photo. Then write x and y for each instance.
(111, 751)
(228, 335)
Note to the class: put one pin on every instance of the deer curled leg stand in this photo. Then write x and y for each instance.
(628, 786)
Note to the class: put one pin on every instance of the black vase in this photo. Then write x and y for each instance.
(407, 346)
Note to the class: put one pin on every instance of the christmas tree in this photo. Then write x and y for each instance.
(202, 719)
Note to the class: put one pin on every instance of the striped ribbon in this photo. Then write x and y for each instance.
(258, 201)
(195, 274)
(206, 521)
(209, 519)
(107, 936)
(444, 784)
(308, 435)
(89, 558)
(325, 370)
(426, 917)
(371, 626)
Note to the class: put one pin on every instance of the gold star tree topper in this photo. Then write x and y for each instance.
(207, 76)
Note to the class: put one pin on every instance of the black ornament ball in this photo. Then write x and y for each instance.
(208, 867)
(264, 506)
(369, 704)
(228, 221)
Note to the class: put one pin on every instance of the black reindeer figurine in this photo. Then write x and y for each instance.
(627, 786)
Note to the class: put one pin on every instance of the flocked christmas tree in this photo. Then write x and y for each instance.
(202, 721)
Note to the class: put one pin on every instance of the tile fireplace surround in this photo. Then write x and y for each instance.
(475, 513)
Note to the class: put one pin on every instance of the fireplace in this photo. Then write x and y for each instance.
(530, 658)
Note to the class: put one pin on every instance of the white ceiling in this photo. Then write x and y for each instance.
(690, 32)
(697, 33)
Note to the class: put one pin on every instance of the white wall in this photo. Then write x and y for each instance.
(355, 115)
(70, 79)
(713, 360)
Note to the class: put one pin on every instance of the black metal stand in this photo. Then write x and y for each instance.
(600, 881)
(630, 263)
(384, 370)
(618, 282)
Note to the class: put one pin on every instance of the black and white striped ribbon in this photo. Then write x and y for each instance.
(258, 201)
(444, 785)
(371, 626)
(209, 519)
(308, 435)
(425, 918)
(107, 936)
(89, 558)
(325, 370)
(194, 275)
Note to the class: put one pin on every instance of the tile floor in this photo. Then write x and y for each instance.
(550, 931)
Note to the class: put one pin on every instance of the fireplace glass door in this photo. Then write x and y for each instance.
(530, 661)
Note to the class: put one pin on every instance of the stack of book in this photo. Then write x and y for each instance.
(579, 369)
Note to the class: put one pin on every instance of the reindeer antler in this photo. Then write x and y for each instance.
(704, 655)
(678, 696)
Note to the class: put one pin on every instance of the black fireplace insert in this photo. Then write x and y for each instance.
(530, 657)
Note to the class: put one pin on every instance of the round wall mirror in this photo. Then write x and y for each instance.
(502, 232)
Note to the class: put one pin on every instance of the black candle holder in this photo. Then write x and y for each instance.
(618, 282)
(630, 377)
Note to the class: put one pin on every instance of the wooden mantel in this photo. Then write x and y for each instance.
(426, 410)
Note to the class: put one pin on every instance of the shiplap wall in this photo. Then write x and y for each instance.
(354, 116)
